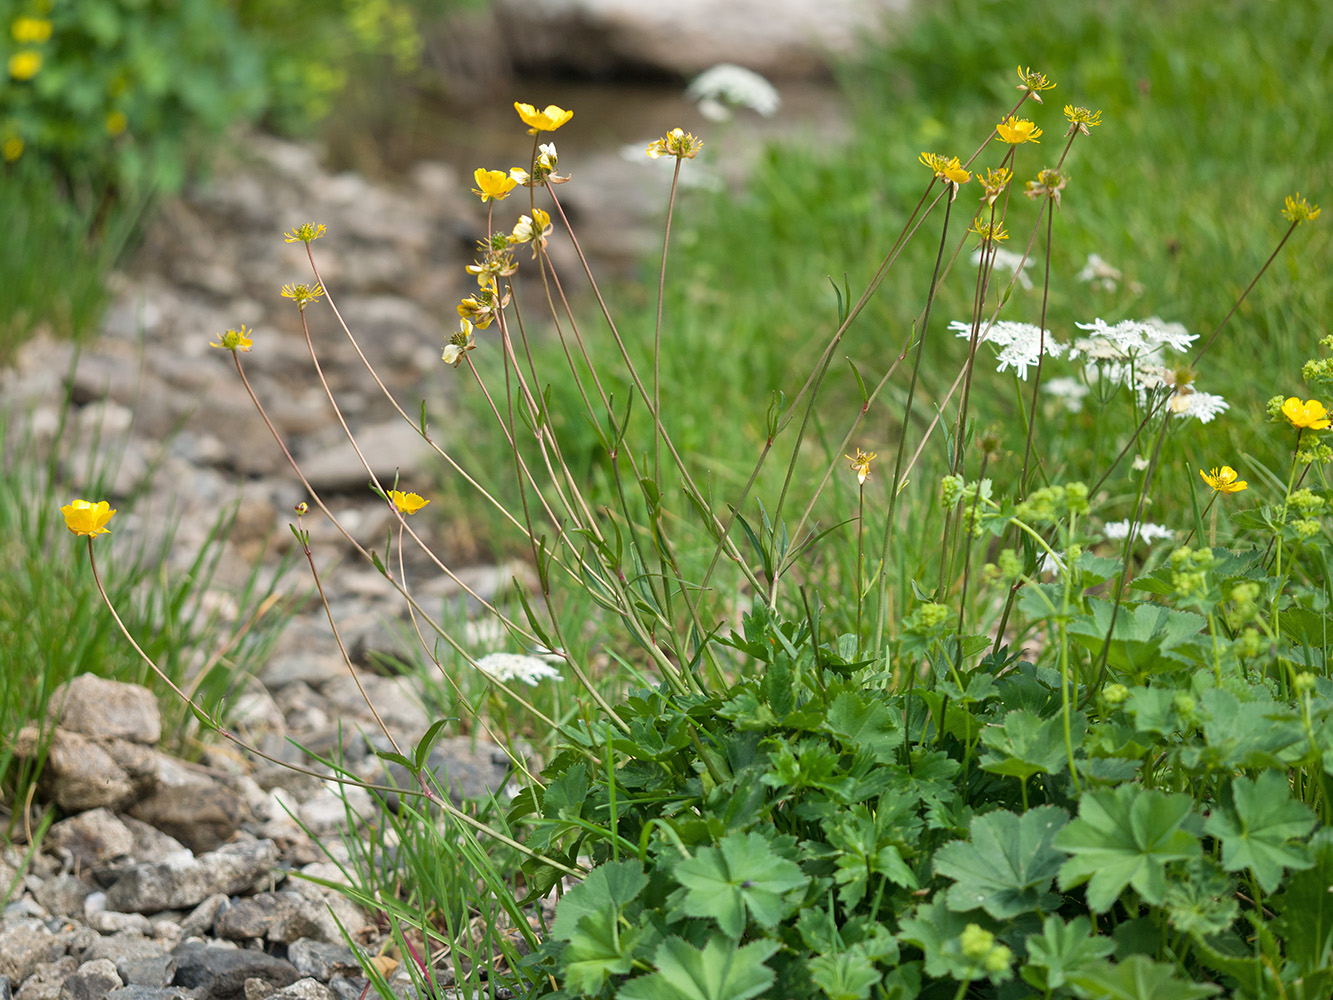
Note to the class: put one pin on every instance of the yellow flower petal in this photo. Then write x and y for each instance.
(85, 518)
(1309, 414)
(547, 120)
(1224, 480)
(1017, 130)
(408, 503)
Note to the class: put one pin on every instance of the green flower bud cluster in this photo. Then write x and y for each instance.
(1189, 571)
(1248, 644)
(1009, 564)
(927, 618)
(1317, 452)
(1051, 503)
(1245, 596)
(1115, 695)
(1303, 682)
(979, 947)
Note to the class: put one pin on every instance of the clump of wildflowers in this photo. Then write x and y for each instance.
(497, 260)
(728, 84)
(480, 309)
(86, 518)
(234, 340)
(1020, 344)
(516, 667)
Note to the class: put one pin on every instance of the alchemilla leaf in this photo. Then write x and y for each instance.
(742, 873)
(1007, 866)
(721, 971)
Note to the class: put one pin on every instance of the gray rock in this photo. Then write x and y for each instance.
(184, 881)
(200, 920)
(304, 989)
(24, 946)
(125, 946)
(200, 812)
(259, 916)
(136, 992)
(220, 973)
(80, 774)
(93, 981)
(109, 709)
(156, 972)
(150, 843)
(91, 838)
(322, 960)
(111, 922)
(63, 896)
(258, 989)
(388, 447)
(47, 979)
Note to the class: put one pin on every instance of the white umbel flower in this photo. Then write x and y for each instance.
(1146, 532)
(728, 84)
(1020, 344)
(516, 667)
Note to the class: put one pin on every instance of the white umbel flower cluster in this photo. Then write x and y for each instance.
(1020, 344)
(516, 667)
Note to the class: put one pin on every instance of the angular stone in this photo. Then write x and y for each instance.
(322, 960)
(80, 774)
(156, 972)
(184, 881)
(93, 981)
(91, 838)
(47, 979)
(109, 709)
(125, 946)
(220, 973)
(304, 989)
(198, 811)
(24, 946)
(200, 920)
(136, 992)
(257, 916)
(63, 896)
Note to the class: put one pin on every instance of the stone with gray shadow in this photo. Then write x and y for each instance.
(24, 945)
(108, 709)
(183, 881)
(322, 960)
(200, 920)
(304, 989)
(93, 981)
(63, 896)
(47, 978)
(220, 973)
(136, 992)
(125, 946)
(156, 972)
(91, 838)
(197, 810)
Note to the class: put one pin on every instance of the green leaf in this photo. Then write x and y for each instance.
(1138, 978)
(1026, 745)
(1305, 908)
(1148, 637)
(848, 975)
(1126, 836)
(1007, 866)
(936, 930)
(608, 888)
(721, 971)
(1257, 833)
(566, 795)
(1248, 734)
(864, 724)
(598, 948)
(1203, 903)
(742, 873)
(1063, 948)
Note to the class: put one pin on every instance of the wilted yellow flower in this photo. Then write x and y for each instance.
(547, 120)
(532, 230)
(234, 340)
(1017, 130)
(84, 518)
(1309, 414)
(860, 464)
(302, 295)
(492, 184)
(677, 143)
(408, 503)
(26, 30)
(304, 233)
(1299, 210)
(994, 183)
(25, 65)
(1033, 82)
(1223, 480)
(11, 148)
(459, 344)
(1081, 119)
(990, 232)
(481, 308)
(1049, 184)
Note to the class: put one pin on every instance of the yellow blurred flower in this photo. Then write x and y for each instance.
(459, 344)
(27, 30)
(408, 503)
(11, 148)
(677, 143)
(547, 120)
(25, 65)
(860, 464)
(990, 232)
(994, 183)
(1309, 414)
(493, 184)
(1223, 480)
(1298, 210)
(234, 340)
(1049, 184)
(84, 518)
(1017, 130)
(116, 122)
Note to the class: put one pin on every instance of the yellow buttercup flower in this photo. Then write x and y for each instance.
(1298, 210)
(84, 518)
(860, 464)
(990, 232)
(26, 30)
(547, 120)
(1224, 480)
(1081, 119)
(492, 184)
(11, 148)
(1017, 130)
(302, 295)
(234, 340)
(408, 503)
(994, 183)
(25, 65)
(1309, 414)
(459, 344)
